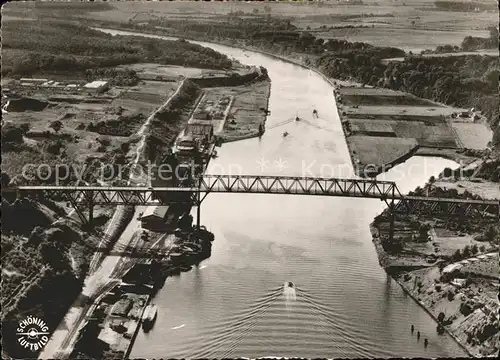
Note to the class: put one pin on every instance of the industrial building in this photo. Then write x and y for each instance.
(200, 129)
(96, 87)
(33, 81)
(155, 218)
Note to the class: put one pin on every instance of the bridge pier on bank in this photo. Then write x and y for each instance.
(392, 218)
(198, 210)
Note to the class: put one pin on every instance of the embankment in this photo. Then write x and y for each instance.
(394, 268)
(234, 79)
(446, 265)
(169, 122)
(189, 249)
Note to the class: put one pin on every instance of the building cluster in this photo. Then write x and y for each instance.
(211, 110)
(116, 320)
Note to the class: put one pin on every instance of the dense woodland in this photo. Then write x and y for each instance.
(56, 46)
(46, 258)
(465, 5)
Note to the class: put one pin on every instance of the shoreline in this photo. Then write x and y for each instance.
(384, 263)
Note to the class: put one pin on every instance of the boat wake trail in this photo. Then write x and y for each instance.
(239, 326)
(289, 294)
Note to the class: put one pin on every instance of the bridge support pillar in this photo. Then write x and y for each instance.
(73, 200)
(90, 195)
(392, 211)
(198, 210)
(91, 213)
(391, 225)
(198, 216)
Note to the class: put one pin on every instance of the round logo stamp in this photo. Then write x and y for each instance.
(32, 333)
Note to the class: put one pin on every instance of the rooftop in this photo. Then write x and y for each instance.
(159, 211)
(35, 80)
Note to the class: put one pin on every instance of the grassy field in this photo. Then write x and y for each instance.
(152, 70)
(383, 126)
(380, 150)
(412, 26)
(473, 135)
(402, 111)
(371, 96)
(432, 136)
(490, 52)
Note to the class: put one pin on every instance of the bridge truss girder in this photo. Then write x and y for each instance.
(84, 198)
(297, 185)
(442, 207)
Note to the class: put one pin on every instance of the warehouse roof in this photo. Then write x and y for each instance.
(158, 211)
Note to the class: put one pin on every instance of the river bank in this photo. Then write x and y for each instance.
(246, 112)
(417, 127)
(118, 315)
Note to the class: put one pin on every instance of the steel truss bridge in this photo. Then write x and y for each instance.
(86, 197)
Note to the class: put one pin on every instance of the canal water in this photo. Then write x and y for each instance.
(343, 305)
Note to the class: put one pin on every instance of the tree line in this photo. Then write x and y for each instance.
(60, 46)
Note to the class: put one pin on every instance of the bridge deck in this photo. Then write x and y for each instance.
(136, 189)
(361, 188)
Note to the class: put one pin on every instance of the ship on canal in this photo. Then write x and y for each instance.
(149, 317)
